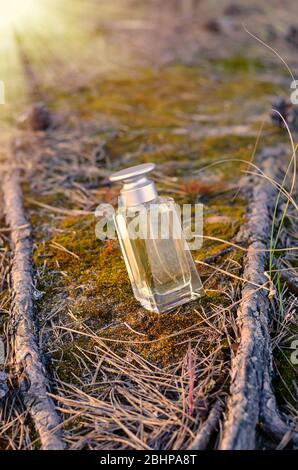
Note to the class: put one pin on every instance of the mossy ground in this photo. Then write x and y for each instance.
(162, 116)
(100, 294)
(285, 366)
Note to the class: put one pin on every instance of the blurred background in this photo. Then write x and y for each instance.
(68, 42)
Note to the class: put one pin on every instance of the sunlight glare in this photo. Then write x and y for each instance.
(18, 13)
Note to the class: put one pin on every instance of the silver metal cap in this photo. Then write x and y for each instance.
(137, 188)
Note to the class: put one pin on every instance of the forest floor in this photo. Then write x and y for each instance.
(122, 377)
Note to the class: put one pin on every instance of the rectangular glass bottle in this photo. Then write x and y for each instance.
(160, 266)
(161, 269)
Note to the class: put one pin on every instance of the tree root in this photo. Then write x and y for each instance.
(252, 398)
(31, 373)
(272, 422)
(203, 437)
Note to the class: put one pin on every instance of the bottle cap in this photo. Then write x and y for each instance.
(137, 188)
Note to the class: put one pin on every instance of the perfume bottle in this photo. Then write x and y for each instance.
(160, 266)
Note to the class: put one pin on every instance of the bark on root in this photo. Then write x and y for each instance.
(252, 399)
(31, 373)
(203, 437)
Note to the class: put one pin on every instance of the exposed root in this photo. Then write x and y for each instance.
(272, 421)
(31, 374)
(252, 397)
(203, 437)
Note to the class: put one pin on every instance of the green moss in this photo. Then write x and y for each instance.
(222, 220)
(168, 97)
(64, 363)
(164, 339)
(285, 377)
(148, 95)
(158, 145)
(239, 64)
(96, 266)
(226, 143)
